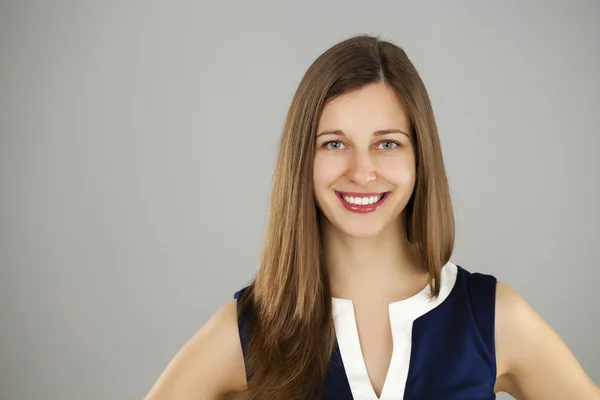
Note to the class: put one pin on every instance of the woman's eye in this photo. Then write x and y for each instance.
(333, 145)
(389, 145)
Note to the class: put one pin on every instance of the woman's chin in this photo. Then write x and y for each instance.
(360, 230)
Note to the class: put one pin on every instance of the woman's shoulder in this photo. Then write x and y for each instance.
(211, 362)
(476, 277)
(481, 288)
(524, 342)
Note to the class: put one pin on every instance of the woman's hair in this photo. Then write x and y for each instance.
(292, 335)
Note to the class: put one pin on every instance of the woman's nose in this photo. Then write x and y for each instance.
(362, 169)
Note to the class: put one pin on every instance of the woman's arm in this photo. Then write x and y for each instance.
(533, 362)
(210, 365)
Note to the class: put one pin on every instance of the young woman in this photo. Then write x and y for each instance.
(356, 297)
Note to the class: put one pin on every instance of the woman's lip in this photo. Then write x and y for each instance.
(363, 208)
(357, 194)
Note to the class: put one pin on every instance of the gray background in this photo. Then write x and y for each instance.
(137, 143)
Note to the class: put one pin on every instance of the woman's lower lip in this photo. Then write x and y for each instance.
(362, 209)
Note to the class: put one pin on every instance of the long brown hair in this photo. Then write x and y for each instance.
(292, 334)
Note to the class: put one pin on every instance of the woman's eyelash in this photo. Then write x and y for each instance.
(326, 144)
(398, 144)
(339, 143)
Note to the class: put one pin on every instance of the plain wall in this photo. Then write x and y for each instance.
(138, 139)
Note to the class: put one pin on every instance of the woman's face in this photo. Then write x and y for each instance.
(364, 164)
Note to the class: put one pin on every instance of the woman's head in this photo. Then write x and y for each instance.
(360, 124)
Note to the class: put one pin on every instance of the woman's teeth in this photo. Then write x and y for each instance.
(362, 200)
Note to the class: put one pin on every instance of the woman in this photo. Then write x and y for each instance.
(355, 296)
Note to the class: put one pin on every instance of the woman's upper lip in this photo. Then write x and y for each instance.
(360, 194)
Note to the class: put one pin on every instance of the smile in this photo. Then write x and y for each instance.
(362, 202)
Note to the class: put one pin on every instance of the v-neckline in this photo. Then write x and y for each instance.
(402, 315)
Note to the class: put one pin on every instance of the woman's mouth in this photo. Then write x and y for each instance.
(362, 202)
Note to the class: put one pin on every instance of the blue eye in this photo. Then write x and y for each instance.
(389, 145)
(333, 145)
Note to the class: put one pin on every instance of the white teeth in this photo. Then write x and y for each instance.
(362, 200)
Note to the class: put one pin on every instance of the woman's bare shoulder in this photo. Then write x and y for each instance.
(209, 366)
(533, 361)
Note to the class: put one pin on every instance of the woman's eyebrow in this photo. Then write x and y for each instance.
(378, 132)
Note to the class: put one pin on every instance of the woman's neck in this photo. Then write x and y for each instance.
(384, 268)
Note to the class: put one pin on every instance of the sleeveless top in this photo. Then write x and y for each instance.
(443, 348)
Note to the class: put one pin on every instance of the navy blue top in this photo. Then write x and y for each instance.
(452, 349)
